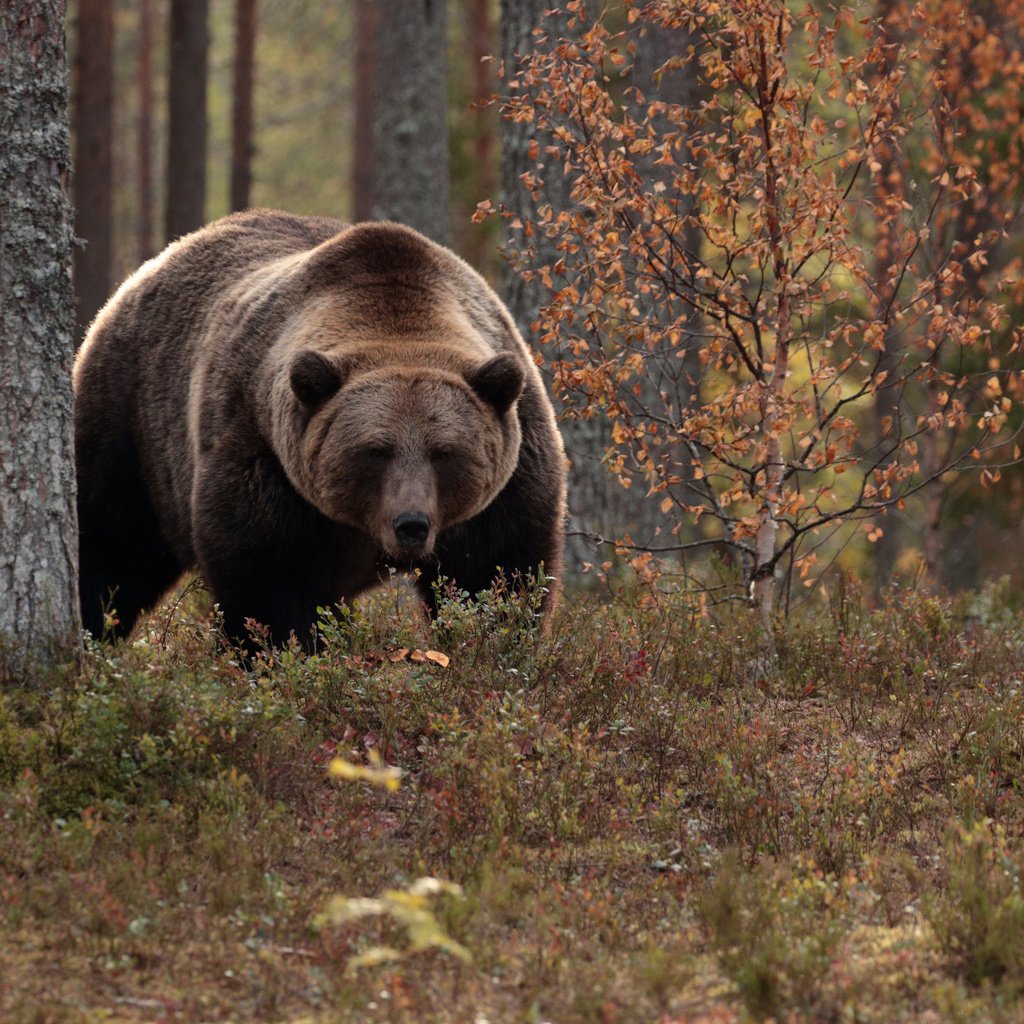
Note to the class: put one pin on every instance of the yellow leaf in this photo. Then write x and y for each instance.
(383, 775)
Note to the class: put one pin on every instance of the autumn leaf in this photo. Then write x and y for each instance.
(376, 773)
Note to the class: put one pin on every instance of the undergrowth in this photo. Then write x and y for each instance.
(643, 821)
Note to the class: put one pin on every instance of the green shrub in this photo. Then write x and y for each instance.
(977, 912)
(775, 932)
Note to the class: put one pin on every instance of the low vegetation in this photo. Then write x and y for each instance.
(622, 818)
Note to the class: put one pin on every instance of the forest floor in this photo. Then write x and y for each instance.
(645, 823)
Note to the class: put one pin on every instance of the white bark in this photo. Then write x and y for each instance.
(38, 527)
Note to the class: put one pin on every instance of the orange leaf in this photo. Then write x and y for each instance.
(435, 656)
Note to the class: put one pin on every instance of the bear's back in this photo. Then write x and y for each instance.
(134, 371)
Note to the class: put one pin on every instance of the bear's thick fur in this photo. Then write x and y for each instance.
(293, 405)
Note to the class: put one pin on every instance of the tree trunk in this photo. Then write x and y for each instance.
(410, 141)
(144, 164)
(590, 489)
(776, 369)
(241, 104)
(39, 620)
(934, 495)
(367, 14)
(671, 366)
(888, 399)
(92, 182)
(481, 43)
(186, 143)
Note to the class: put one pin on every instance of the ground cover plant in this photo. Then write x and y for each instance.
(624, 818)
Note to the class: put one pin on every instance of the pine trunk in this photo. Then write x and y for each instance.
(888, 399)
(481, 43)
(671, 366)
(92, 183)
(595, 497)
(242, 103)
(187, 135)
(39, 620)
(144, 138)
(410, 142)
(367, 14)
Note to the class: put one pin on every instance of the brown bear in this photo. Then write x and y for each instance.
(294, 405)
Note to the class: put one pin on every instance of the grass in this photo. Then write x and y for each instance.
(644, 826)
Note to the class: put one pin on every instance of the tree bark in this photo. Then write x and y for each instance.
(670, 366)
(888, 399)
(481, 43)
(599, 506)
(92, 183)
(144, 138)
(39, 620)
(367, 14)
(187, 135)
(410, 141)
(776, 369)
(242, 104)
(589, 485)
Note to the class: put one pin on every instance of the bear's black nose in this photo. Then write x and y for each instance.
(411, 528)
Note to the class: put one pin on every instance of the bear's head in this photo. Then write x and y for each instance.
(403, 453)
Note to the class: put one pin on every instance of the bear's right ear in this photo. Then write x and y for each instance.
(315, 377)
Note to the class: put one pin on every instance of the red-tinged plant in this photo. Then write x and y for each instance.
(788, 323)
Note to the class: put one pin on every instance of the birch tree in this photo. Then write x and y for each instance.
(777, 171)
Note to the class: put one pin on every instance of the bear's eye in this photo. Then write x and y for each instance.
(378, 452)
(440, 455)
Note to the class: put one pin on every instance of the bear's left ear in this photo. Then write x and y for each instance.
(499, 381)
(314, 377)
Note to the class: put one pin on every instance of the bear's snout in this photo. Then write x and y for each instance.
(411, 529)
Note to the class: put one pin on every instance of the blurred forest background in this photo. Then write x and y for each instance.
(305, 93)
(297, 90)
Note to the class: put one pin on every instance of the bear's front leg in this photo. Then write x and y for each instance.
(268, 555)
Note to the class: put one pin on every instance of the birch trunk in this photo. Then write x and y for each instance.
(39, 620)
(774, 382)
